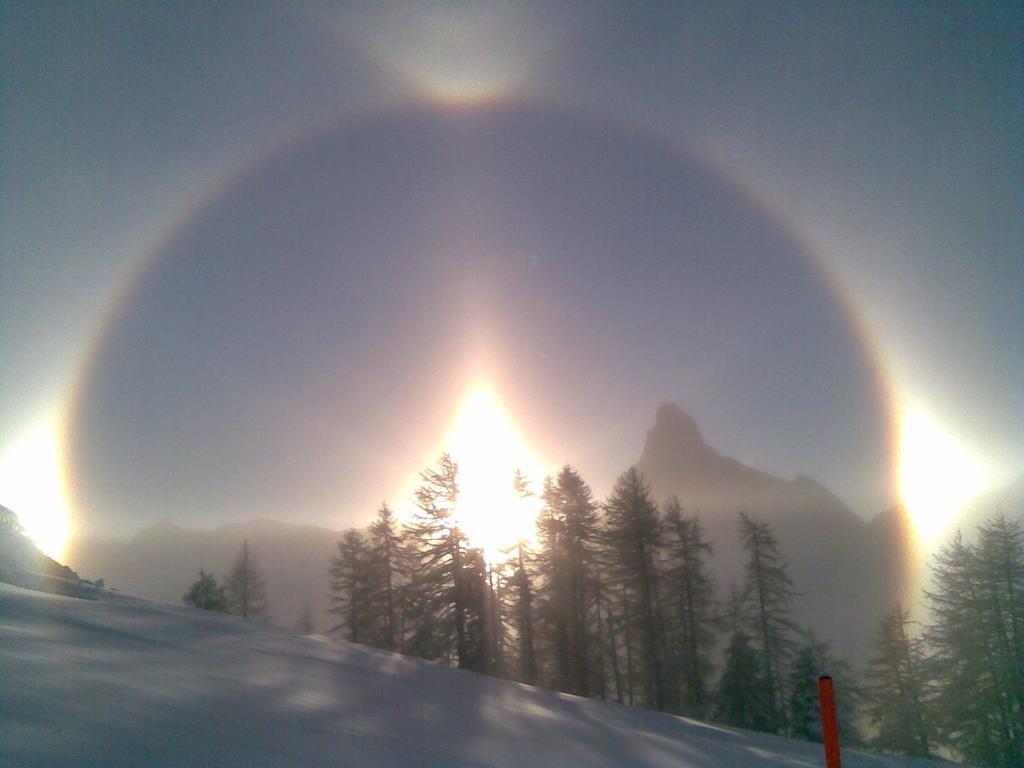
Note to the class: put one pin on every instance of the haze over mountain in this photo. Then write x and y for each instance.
(160, 562)
(846, 569)
(1009, 500)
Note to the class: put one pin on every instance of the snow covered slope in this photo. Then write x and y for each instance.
(137, 683)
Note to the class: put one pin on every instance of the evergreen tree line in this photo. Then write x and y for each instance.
(957, 682)
(614, 600)
(243, 593)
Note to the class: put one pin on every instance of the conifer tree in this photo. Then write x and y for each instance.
(494, 615)
(521, 587)
(246, 586)
(383, 555)
(616, 630)
(480, 643)
(804, 717)
(206, 594)
(628, 627)
(552, 590)
(976, 609)
(768, 593)
(632, 535)
(438, 548)
(610, 648)
(740, 697)
(734, 617)
(1001, 557)
(814, 658)
(896, 688)
(690, 598)
(351, 588)
(568, 532)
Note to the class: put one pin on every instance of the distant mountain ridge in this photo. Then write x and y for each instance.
(160, 562)
(849, 571)
(676, 454)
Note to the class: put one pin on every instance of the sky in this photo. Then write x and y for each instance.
(255, 258)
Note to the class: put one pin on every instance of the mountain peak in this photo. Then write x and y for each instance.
(671, 416)
(845, 570)
(675, 433)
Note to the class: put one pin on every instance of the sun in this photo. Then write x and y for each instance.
(30, 486)
(937, 475)
(488, 450)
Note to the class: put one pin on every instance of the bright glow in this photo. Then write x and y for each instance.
(448, 52)
(488, 450)
(937, 475)
(30, 486)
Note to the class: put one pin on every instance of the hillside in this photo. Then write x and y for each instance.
(24, 565)
(160, 562)
(849, 571)
(132, 682)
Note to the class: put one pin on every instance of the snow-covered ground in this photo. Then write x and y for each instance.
(133, 682)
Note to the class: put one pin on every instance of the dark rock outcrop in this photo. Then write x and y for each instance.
(23, 565)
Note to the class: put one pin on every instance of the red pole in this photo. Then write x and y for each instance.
(829, 730)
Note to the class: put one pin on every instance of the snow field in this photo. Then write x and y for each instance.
(130, 682)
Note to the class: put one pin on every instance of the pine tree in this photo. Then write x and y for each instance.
(519, 587)
(976, 656)
(206, 594)
(568, 532)
(608, 640)
(494, 615)
(352, 587)
(440, 598)
(480, 643)
(522, 585)
(895, 688)
(246, 587)
(768, 593)
(690, 595)
(1001, 557)
(383, 557)
(553, 600)
(813, 659)
(633, 535)
(804, 711)
(617, 629)
(740, 698)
